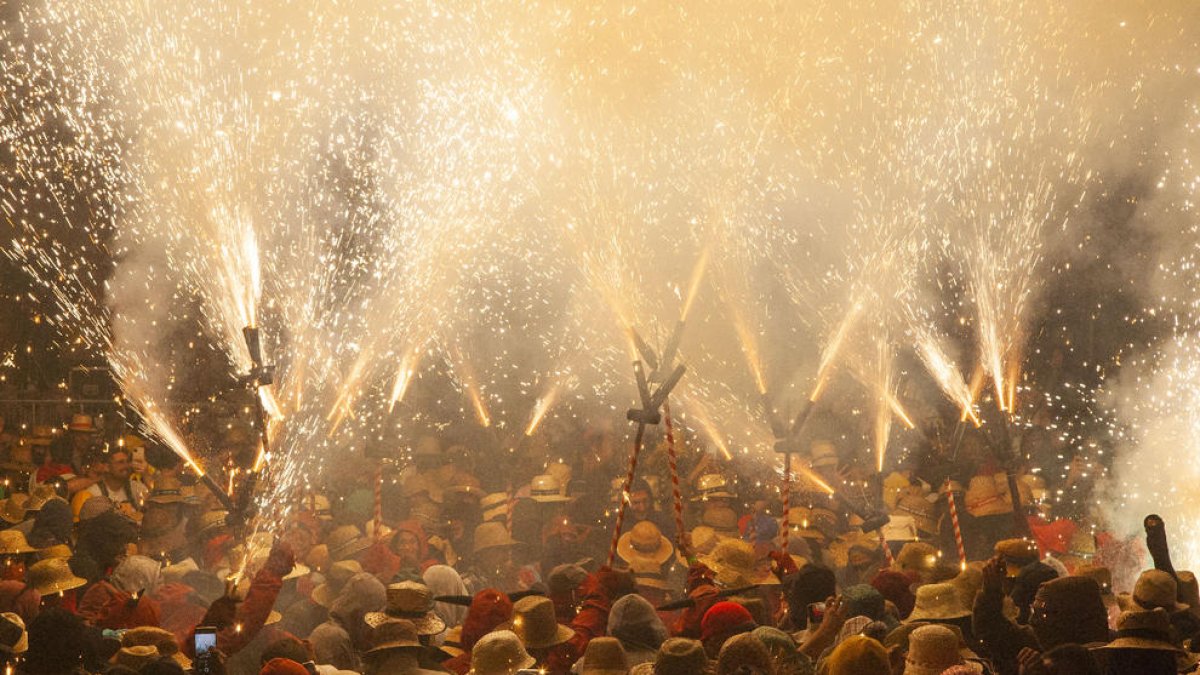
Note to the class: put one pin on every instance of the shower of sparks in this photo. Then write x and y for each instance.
(497, 193)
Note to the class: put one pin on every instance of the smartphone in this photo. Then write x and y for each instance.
(205, 639)
(816, 613)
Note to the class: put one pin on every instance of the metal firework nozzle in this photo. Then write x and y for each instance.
(668, 355)
(217, 491)
(651, 402)
(253, 343)
(644, 349)
(260, 375)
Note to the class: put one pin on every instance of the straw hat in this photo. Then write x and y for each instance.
(42, 434)
(680, 656)
(392, 633)
(337, 576)
(894, 486)
(56, 551)
(604, 656)
(1156, 588)
(499, 653)
(562, 474)
(917, 556)
(712, 486)
(1144, 629)
(534, 622)
(1017, 553)
(39, 496)
(722, 519)
(922, 512)
(813, 523)
(492, 535)
(545, 489)
(985, 497)
(12, 510)
(900, 527)
(704, 539)
(1101, 575)
(412, 601)
(160, 638)
(12, 542)
(346, 541)
(52, 575)
(932, 649)
(167, 490)
(736, 565)
(647, 573)
(136, 657)
(82, 424)
(494, 506)
(644, 543)
(938, 602)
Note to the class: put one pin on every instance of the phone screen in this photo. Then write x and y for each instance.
(205, 639)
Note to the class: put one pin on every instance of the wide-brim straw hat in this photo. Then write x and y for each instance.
(167, 490)
(53, 575)
(394, 633)
(535, 623)
(645, 543)
(83, 424)
(12, 542)
(938, 602)
(137, 656)
(545, 489)
(494, 506)
(648, 574)
(1146, 629)
(160, 638)
(1156, 588)
(736, 565)
(346, 541)
(712, 486)
(412, 602)
(492, 535)
(38, 497)
(604, 656)
(932, 649)
(499, 653)
(337, 576)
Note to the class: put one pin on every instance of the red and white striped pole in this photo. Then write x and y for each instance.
(676, 494)
(887, 551)
(787, 499)
(958, 540)
(623, 497)
(378, 522)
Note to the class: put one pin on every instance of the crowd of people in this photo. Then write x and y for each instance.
(115, 560)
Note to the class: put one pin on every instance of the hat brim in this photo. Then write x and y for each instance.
(562, 634)
(1141, 643)
(527, 663)
(324, 595)
(61, 587)
(429, 624)
(658, 556)
(927, 615)
(551, 499)
(718, 494)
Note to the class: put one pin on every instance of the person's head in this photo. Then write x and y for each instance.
(1070, 659)
(641, 499)
(407, 546)
(721, 622)
(287, 647)
(813, 583)
(56, 642)
(745, 654)
(61, 449)
(119, 466)
(1068, 610)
